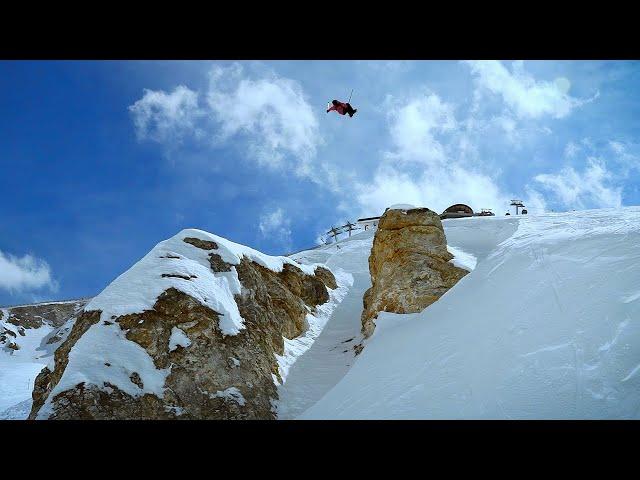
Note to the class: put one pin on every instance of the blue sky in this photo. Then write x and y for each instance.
(101, 160)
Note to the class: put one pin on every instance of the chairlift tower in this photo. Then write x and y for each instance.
(349, 226)
(334, 233)
(517, 204)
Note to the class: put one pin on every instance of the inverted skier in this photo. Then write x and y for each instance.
(341, 108)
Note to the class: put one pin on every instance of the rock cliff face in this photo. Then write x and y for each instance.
(194, 330)
(409, 264)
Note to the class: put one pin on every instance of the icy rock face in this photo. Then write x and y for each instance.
(409, 265)
(171, 360)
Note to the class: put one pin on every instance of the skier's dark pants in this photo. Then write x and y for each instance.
(350, 110)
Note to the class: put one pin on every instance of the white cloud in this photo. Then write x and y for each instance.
(505, 128)
(526, 96)
(534, 200)
(571, 149)
(272, 114)
(413, 128)
(276, 225)
(388, 67)
(436, 189)
(430, 165)
(166, 117)
(18, 274)
(268, 115)
(626, 156)
(591, 188)
(618, 147)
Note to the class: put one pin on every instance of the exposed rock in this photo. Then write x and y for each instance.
(168, 255)
(5, 332)
(177, 275)
(203, 244)
(215, 376)
(217, 264)
(52, 313)
(327, 277)
(409, 265)
(135, 379)
(47, 379)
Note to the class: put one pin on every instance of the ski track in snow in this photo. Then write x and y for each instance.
(331, 354)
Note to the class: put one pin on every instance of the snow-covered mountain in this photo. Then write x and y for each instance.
(545, 325)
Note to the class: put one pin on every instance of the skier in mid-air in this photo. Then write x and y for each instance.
(341, 108)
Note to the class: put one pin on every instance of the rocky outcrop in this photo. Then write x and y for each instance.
(38, 314)
(176, 359)
(409, 264)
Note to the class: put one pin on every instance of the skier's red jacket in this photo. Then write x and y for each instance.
(341, 108)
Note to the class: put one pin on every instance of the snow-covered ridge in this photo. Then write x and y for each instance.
(137, 289)
(44, 304)
(104, 354)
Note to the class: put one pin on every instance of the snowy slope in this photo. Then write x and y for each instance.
(19, 368)
(547, 325)
(331, 355)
